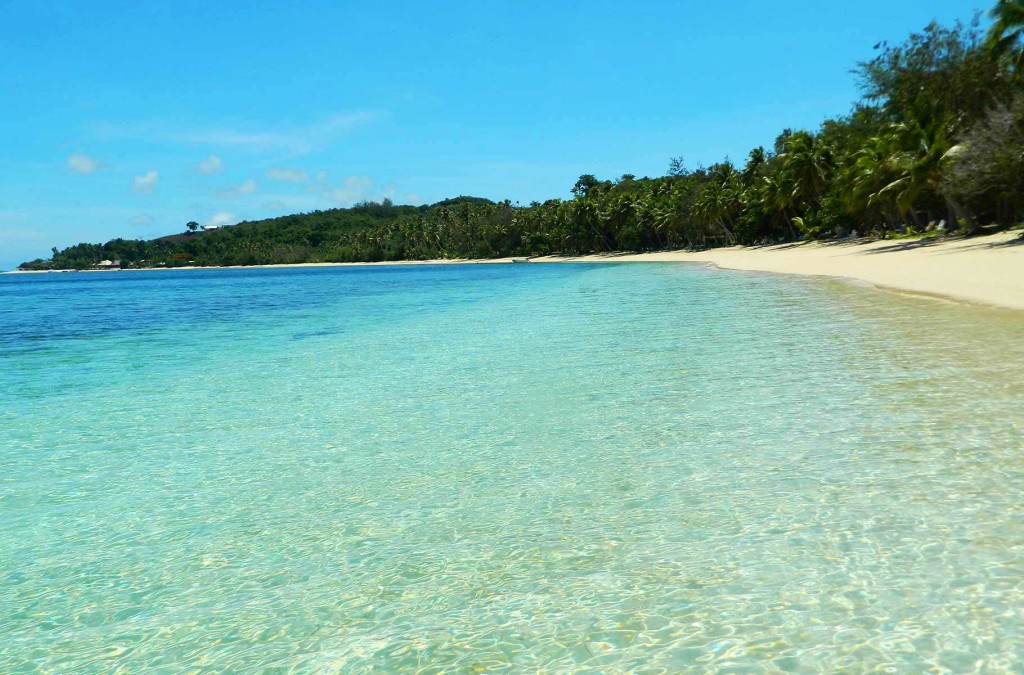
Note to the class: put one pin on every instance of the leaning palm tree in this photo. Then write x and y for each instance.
(1007, 33)
(863, 174)
(922, 151)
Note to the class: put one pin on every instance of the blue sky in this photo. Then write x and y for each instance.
(132, 118)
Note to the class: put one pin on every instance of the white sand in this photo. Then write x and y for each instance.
(987, 270)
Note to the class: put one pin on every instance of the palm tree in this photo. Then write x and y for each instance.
(1007, 33)
(865, 173)
(806, 167)
(776, 195)
(672, 213)
(615, 214)
(755, 162)
(922, 150)
(718, 203)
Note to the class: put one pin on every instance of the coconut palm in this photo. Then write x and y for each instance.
(922, 150)
(755, 163)
(776, 194)
(718, 204)
(806, 168)
(1007, 33)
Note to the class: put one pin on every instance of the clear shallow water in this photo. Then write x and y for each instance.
(608, 468)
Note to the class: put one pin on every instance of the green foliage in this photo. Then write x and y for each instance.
(987, 168)
(946, 68)
(1006, 37)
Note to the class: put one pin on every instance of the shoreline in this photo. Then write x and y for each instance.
(987, 269)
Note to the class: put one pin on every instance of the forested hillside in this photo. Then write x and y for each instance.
(935, 144)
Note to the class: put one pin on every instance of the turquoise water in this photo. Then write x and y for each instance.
(590, 468)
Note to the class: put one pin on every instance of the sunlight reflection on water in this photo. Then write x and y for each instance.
(591, 468)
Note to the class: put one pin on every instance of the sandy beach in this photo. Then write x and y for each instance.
(987, 269)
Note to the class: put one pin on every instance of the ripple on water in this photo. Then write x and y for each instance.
(634, 468)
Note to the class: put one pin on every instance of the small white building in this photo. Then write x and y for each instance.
(210, 228)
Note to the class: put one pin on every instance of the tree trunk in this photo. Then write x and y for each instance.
(789, 224)
(960, 211)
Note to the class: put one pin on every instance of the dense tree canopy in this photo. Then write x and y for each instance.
(936, 142)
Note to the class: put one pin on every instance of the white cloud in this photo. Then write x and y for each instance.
(222, 218)
(247, 187)
(142, 220)
(296, 140)
(289, 175)
(146, 183)
(282, 204)
(355, 189)
(211, 165)
(83, 164)
(231, 137)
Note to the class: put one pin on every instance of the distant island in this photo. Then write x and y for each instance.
(935, 145)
